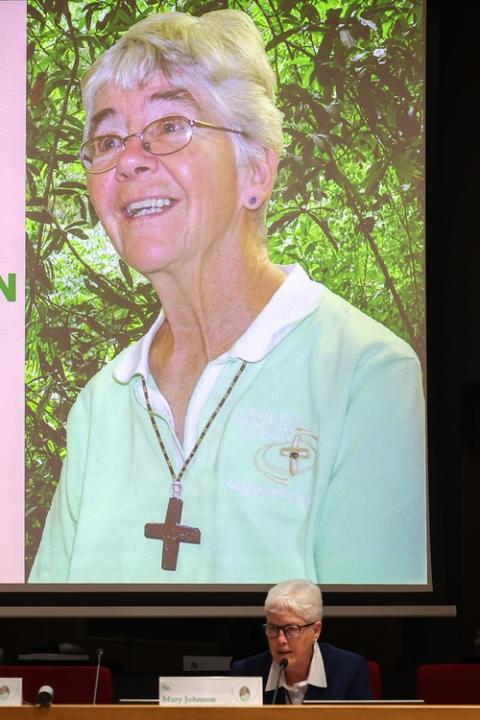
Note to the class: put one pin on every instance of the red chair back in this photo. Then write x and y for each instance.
(375, 679)
(72, 685)
(444, 684)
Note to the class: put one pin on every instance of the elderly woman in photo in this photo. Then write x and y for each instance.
(263, 427)
(297, 667)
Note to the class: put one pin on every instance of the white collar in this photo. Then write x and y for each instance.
(296, 298)
(316, 673)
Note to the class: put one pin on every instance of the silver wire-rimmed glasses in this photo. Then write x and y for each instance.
(290, 631)
(164, 136)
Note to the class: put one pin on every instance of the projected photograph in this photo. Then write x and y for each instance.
(224, 312)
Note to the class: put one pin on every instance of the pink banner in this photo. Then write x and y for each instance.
(12, 254)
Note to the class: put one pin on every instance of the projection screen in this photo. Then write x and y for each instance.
(314, 464)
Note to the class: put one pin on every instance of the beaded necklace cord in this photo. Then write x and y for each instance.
(171, 532)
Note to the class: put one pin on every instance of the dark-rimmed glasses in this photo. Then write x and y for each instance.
(290, 631)
(164, 136)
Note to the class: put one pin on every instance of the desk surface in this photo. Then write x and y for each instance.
(279, 712)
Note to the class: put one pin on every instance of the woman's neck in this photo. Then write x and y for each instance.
(205, 313)
(298, 674)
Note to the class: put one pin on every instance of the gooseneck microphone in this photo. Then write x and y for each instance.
(44, 696)
(283, 664)
(97, 674)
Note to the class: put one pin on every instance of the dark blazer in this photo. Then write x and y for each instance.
(346, 672)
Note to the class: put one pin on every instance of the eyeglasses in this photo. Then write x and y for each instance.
(164, 136)
(290, 631)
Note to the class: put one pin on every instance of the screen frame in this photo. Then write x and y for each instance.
(229, 600)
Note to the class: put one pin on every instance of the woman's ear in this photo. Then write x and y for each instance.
(259, 179)
(317, 628)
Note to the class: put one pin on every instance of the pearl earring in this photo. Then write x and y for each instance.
(253, 200)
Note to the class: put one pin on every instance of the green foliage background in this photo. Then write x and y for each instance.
(348, 204)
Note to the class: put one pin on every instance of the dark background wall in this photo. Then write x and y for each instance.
(453, 255)
(138, 650)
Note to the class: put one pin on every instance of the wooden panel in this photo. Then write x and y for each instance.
(319, 712)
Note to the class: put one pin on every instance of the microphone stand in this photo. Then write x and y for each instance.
(97, 674)
(283, 664)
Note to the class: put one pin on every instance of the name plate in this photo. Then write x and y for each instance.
(10, 691)
(209, 691)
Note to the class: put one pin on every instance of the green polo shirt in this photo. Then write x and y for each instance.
(314, 467)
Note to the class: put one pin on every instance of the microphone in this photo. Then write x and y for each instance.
(283, 664)
(44, 696)
(97, 674)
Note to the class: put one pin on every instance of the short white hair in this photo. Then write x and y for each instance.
(299, 597)
(221, 51)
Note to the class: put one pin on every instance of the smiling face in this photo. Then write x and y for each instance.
(168, 211)
(298, 651)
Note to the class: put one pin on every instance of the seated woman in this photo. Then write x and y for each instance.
(296, 663)
(262, 428)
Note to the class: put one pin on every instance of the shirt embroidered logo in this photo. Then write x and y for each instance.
(285, 460)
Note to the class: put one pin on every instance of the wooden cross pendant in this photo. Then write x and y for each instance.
(172, 533)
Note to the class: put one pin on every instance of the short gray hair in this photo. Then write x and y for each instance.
(222, 51)
(300, 597)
